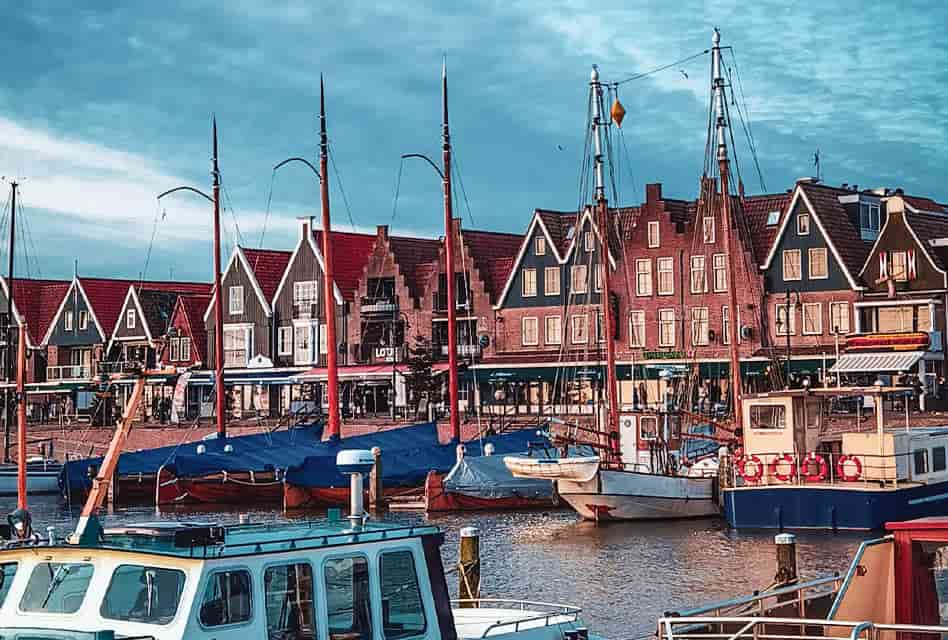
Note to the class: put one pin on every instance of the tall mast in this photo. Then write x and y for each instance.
(219, 299)
(720, 127)
(8, 359)
(21, 417)
(332, 379)
(604, 296)
(449, 263)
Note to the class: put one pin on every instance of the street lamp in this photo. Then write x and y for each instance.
(788, 324)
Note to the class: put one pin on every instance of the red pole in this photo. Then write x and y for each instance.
(21, 417)
(612, 387)
(449, 267)
(219, 298)
(332, 378)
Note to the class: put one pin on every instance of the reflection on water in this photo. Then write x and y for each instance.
(624, 575)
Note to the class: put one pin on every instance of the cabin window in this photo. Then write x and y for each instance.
(768, 416)
(403, 612)
(666, 276)
(725, 326)
(708, 229)
(236, 301)
(791, 265)
(236, 346)
(539, 246)
(643, 277)
(773, 218)
(529, 281)
(83, 320)
(129, 319)
(323, 345)
(554, 330)
(938, 462)
(348, 604)
(56, 587)
(227, 599)
(666, 327)
(578, 278)
(143, 594)
(67, 320)
(920, 457)
(551, 281)
(819, 266)
(285, 341)
(839, 317)
(185, 353)
(7, 571)
(529, 332)
(289, 601)
(636, 328)
(653, 234)
(719, 271)
(803, 224)
(699, 280)
(648, 428)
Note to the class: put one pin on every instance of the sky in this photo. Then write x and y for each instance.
(104, 105)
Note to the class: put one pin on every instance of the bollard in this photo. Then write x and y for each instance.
(376, 489)
(469, 567)
(786, 563)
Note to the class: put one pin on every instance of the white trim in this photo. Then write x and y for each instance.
(809, 263)
(311, 240)
(537, 220)
(783, 265)
(919, 243)
(16, 313)
(898, 303)
(76, 282)
(523, 282)
(536, 327)
(238, 253)
(803, 306)
(132, 293)
(595, 229)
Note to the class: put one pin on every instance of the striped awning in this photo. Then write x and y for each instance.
(876, 362)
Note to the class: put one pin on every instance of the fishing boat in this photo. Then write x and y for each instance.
(642, 470)
(42, 477)
(891, 590)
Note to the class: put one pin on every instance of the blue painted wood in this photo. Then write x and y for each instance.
(61, 337)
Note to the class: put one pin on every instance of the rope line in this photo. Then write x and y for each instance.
(645, 74)
(345, 200)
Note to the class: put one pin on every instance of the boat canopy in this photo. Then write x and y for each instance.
(489, 477)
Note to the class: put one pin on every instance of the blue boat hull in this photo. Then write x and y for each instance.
(832, 508)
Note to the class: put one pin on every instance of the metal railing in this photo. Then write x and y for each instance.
(69, 372)
(378, 304)
(768, 628)
(860, 470)
(120, 366)
(548, 615)
(235, 357)
(759, 603)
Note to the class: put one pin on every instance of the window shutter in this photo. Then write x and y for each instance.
(883, 264)
(911, 269)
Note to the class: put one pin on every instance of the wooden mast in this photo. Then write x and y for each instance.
(727, 226)
(602, 218)
(449, 264)
(219, 298)
(332, 364)
(21, 418)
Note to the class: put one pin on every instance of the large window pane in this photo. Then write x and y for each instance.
(288, 591)
(56, 587)
(403, 613)
(226, 599)
(143, 594)
(349, 608)
(7, 571)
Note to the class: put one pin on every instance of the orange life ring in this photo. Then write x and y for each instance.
(783, 477)
(758, 468)
(807, 467)
(841, 468)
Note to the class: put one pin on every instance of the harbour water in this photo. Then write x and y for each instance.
(623, 575)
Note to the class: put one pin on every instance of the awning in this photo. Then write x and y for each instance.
(875, 362)
(246, 376)
(363, 372)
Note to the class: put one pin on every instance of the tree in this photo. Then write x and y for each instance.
(420, 382)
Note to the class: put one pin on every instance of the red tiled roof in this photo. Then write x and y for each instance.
(106, 296)
(193, 307)
(925, 204)
(929, 226)
(558, 224)
(416, 258)
(840, 227)
(350, 254)
(757, 210)
(493, 255)
(37, 301)
(268, 266)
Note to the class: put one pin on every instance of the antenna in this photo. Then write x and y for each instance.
(816, 163)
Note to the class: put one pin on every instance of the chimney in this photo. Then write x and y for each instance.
(381, 232)
(653, 192)
(895, 204)
(306, 225)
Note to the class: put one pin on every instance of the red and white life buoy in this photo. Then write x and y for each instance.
(790, 462)
(841, 466)
(814, 468)
(758, 468)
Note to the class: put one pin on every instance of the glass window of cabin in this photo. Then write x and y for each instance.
(708, 229)
(648, 428)
(636, 328)
(348, 604)
(765, 416)
(56, 587)
(791, 264)
(938, 462)
(803, 224)
(529, 331)
(839, 317)
(7, 571)
(403, 612)
(143, 594)
(666, 327)
(289, 599)
(227, 599)
(920, 457)
(236, 301)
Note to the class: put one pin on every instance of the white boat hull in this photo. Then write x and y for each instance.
(38, 481)
(627, 495)
(575, 469)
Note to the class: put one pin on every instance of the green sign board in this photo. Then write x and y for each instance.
(663, 355)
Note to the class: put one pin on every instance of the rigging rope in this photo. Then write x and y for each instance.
(645, 74)
(345, 200)
(266, 217)
(398, 187)
(151, 243)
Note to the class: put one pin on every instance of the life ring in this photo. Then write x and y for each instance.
(807, 465)
(758, 468)
(841, 468)
(783, 477)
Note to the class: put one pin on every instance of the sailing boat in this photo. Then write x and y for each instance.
(617, 485)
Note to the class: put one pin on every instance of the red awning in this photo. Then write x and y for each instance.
(364, 372)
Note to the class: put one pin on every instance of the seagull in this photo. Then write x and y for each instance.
(683, 73)
(559, 147)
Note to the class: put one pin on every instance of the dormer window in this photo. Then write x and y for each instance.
(869, 220)
(539, 246)
(803, 224)
(588, 242)
(130, 319)
(653, 237)
(773, 218)
(236, 301)
(708, 229)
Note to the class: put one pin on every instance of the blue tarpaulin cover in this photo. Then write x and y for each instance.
(489, 477)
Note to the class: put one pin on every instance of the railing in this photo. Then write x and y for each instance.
(798, 595)
(470, 350)
(441, 302)
(69, 372)
(120, 366)
(379, 304)
(305, 311)
(766, 628)
(549, 614)
(858, 470)
(235, 357)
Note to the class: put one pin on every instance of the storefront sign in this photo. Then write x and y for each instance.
(663, 355)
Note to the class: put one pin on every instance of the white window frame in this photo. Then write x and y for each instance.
(699, 264)
(174, 350)
(600, 327)
(285, 347)
(641, 273)
(304, 337)
(809, 256)
(524, 323)
(725, 326)
(782, 308)
(834, 325)
(719, 267)
(301, 295)
(547, 281)
(654, 237)
(804, 229)
(663, 317)
(589, 243)
(707, 224)
(524, 290)
(539, 246)
(559, 329)
(578, 321)
(665, 265)
(184, 355)
(637, 319)
(786, 254)
(573, 280)
(235, 300)
(247, 331)
(699, 316)
(322, 338)
(129, 318)
(67, 321)
(819, 318)
(896, 275)
(83, 320)
(597, 280)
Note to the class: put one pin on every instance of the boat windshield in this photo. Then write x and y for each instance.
(143, 594)
(7, 571)
(56, 587)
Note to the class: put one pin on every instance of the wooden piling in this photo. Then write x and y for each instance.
(376, 489)
(786, 559)
(469, 567)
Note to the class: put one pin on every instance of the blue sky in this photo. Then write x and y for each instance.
(102, 107)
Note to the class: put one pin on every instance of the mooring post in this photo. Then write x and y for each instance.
(376, 490)
(469, 567)
(786, 562)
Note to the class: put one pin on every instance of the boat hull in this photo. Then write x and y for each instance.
(37, 482)
(438, 499)
(831, 507)
(626, 495)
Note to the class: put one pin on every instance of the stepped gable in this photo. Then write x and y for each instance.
(416, 259)
(757, 211)
(840, 229)
(350, 255)
(37, 301)
(106, 296)
(194, 306)
(268, 266)
(493, 254)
